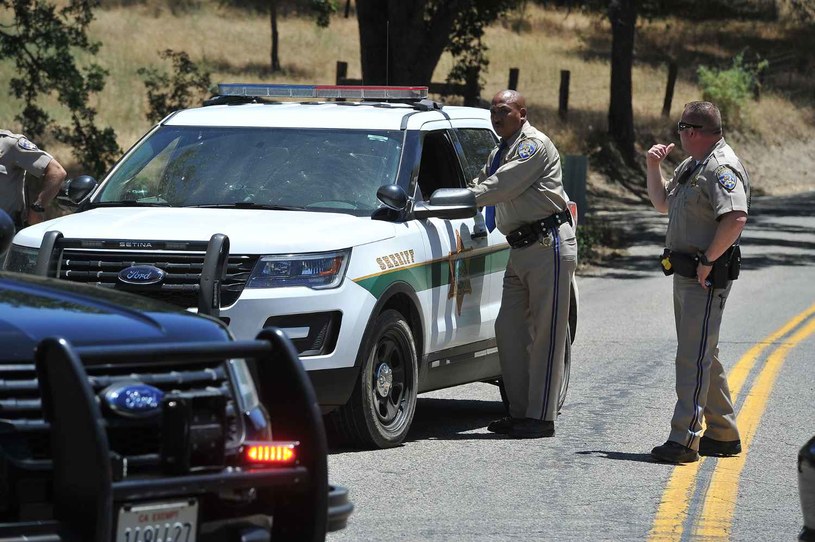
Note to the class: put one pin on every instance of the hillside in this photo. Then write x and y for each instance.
(234, 45)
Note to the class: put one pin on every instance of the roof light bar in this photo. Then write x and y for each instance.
(323, 91)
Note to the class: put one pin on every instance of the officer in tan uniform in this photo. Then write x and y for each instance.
(19, 156)
(521, 188)
(707, 204)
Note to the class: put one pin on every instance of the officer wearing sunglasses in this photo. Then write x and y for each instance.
(707, 201)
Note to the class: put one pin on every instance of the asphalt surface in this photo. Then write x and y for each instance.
(595, 480)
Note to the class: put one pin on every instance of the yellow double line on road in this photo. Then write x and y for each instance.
(720, 498)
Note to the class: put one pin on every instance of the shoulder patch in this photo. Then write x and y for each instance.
(25, 144)
(726, 177)
(527, 149)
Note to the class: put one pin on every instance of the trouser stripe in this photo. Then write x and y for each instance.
(699, 365)
(553, 328)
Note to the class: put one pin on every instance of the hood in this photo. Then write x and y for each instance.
(250, 231)
(33, 308)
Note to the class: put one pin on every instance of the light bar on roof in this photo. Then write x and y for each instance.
(323, 91)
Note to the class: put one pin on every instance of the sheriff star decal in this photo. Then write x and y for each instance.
(726, 177)
(459, 274)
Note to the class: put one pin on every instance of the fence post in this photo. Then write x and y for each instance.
(669, 89)
(563, 103)
(513, 79)
(342, 71)
(472, 91)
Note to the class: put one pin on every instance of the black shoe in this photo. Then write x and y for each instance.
(532, 428)
(673, 452)
(503, 425)
(719, 448)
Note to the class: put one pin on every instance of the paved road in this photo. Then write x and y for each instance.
(454, 481)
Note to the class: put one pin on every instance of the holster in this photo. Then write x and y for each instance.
(725, 268)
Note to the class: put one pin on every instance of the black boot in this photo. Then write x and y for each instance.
(532, 428)
(673, 452)
(719, 448)
(503, 425)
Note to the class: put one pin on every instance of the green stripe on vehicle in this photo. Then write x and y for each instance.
(436, 273)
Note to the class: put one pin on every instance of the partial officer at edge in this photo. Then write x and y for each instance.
(707, 202)
(522, 180)
(19, 156)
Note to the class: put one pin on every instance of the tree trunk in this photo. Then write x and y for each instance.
(275, 37)
(397, 45)
(623, 17)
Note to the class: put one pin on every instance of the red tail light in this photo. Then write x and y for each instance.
(270, 453)
(573, 210)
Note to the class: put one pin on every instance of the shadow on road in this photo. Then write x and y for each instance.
(451, 419)
(446, 419)
(620, 456)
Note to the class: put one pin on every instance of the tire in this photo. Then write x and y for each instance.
(564, 381)
(381, 407)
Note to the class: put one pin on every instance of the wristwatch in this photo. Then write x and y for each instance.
(703, 259)
(37, 208)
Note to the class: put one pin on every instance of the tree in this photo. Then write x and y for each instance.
(165, 94)
(623, 17)
(41, 41)
(401, 42)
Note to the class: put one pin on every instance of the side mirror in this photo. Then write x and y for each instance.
(392, 196)
(74, 191)
(6, 232)
(447, 203)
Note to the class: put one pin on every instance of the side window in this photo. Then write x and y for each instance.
(438, 168)
(476, 144)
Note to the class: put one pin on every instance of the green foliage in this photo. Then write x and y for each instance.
(323, 10)
(731, 88)
(165, 93)
(41, 42)
(465, 43)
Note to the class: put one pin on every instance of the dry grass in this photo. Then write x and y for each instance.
(235, 45)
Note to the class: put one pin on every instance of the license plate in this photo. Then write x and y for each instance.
(175, 521)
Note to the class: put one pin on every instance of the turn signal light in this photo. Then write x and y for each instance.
(271, 453)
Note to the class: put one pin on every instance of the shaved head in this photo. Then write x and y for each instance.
(508, 112)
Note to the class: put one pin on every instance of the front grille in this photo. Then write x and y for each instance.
(24, 434)
(181, 285)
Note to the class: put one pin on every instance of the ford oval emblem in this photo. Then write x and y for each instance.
(133, 400)
(142, 275)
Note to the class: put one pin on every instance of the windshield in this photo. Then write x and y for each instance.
(312, 169)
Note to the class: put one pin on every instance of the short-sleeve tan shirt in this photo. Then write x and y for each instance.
(528, 184)
(18, 156)
(716, 186)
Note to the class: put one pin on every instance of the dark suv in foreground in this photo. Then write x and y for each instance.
(126, 419)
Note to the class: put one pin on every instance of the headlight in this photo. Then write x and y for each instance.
(21, 259)
(317, 271)
(247, 393)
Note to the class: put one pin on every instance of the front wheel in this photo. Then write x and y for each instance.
(380, 410)
(564, 381)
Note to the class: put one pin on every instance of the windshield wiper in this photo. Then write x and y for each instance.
(249, 205)
(131, 203)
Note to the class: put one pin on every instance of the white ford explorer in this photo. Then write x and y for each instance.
(345, 223)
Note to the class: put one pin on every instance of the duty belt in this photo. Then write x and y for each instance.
(530, 233)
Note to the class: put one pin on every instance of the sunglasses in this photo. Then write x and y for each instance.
(680, 126)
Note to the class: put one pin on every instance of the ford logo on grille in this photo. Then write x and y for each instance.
(142, 275)
(133, 400)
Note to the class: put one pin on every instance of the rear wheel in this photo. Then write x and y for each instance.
(564, 381)
(381, 408)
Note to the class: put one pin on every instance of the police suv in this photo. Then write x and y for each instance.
(345, 223)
